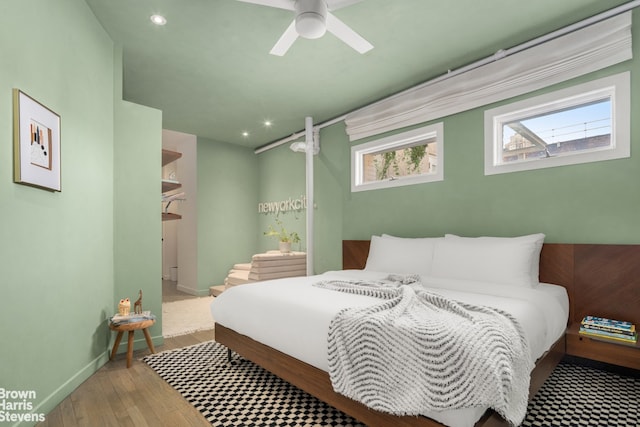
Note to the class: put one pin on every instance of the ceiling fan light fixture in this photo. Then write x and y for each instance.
(311, 17)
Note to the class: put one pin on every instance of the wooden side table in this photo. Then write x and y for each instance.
(131, 328)
(621, 354)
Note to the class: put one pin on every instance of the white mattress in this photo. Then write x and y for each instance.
(293, 316)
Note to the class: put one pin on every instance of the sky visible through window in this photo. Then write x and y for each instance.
(573, 123)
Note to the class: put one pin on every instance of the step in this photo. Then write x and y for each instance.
(216, 290)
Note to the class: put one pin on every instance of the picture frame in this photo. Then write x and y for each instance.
(36, 144)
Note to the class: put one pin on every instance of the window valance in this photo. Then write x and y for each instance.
(583, 51)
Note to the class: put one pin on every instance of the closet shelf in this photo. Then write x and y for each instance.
(168, 216)
(169, 156)
(169, 185)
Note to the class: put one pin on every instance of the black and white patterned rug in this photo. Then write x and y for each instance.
(585, 396)
(244, 394)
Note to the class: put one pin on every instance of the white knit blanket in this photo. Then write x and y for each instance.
(417, 351)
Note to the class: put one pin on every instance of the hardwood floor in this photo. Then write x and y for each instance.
(117, 396)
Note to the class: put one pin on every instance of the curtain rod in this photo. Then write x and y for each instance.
(500, 54)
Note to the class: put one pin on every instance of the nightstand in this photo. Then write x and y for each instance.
(620, 354)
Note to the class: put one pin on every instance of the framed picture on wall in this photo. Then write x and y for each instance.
(36, 143)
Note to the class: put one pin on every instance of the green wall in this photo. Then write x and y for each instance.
(227, 194)
(61, 251)
(136, 208)
(286, 170)
(587, 203)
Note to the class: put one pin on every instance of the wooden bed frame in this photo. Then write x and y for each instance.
(600, 279)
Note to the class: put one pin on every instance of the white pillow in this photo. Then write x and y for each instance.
(503, 260)
(423, 239)
(401, 255)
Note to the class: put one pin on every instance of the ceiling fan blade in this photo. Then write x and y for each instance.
(280, 4)
(286, 40)
(339, 4)
(347, 35)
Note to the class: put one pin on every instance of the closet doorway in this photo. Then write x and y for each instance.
(179, 244)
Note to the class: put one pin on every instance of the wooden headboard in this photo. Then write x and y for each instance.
(601, 280)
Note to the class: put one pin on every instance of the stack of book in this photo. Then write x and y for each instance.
(119, 319)
(609, 329)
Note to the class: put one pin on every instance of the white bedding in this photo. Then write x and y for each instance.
(293, 316)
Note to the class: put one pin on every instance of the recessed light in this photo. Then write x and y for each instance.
(267, 123)
(158, 19)
(245, 134)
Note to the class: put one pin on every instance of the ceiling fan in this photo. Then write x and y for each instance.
(312, 19)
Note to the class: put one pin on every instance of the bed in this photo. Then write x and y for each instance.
(299, 313)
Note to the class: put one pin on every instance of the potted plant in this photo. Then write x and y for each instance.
(285, 238)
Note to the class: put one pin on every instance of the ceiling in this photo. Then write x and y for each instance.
(210, 72)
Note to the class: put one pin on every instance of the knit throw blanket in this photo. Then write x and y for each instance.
(418, 351)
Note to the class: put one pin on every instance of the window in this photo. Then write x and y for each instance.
(584, 123)
(407, 158)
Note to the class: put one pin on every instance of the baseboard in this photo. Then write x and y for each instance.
(62, 392)
(157, 341)
(196, 292)
(139, 342)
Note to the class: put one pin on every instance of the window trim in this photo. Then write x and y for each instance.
(618, 86)
(397, 141)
